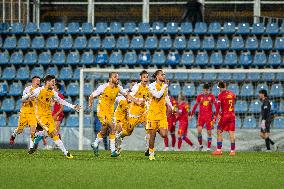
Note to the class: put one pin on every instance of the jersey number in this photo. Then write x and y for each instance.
(231, 105)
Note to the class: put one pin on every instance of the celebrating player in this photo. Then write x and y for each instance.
(43, 112)
(205, 101)
(27, 113)
(226, 101)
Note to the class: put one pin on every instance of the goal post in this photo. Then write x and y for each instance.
(99, 75)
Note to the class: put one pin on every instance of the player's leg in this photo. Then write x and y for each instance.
(152, 136)
(209, 127)
(233, 144)
(219, 138)
(57, 126)
(199, 126)
(23, 121)
(184, 127)
(166, 139)
(112, 138)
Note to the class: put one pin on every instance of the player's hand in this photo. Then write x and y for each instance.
(77, 107)
(91, 105)
(262, 124)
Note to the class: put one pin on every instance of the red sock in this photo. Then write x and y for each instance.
(166, 141)
(179, 142)
(209, 140)
(186, 139)
(173, 140)
(199, 137)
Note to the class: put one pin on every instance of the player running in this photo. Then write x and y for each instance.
(43, 112)
(226, 101)
(27, 113)
(205, 101)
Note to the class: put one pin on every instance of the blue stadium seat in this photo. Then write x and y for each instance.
(87, 28)
(17, 28)
(30, 58)
(249, 122)
(73, 28)
(44, 57)
(174, 89)
(52, 43)
(261, 86)
(52, 71)
(231, 59)
(237, 43)
(266, 43)
(73, 58)
(130, 58)
(257, 28)
(278, 122)
(3, 89)
(215, 90)
(229, 27)
(241, 106)
(259, 59)
(129, 28)
(4, 57)
(243, 28)
(187, 58)
(115, 28)
(115, 58)
(101, 58)
(251, 43)
(202, 58)
(124, 76)
(200, 28)
(108, 43)
(180, 76)
(255, 106)
(158, 27)
(194, 76)
(10, 43)
(58, 28)
(67, 109)
(151, 42)
(8, 105)
(158, 58)
(276, 90)
(247, 90)
(186, 28)
(17, 57)
(18, 105)
(272, 28)
(44, 28)
(9, 73)
(234, 88)
(13, 120)
(72, 121)
(144, 58)
(23, 73)
(76, 74)
(72, 89)
(3, 121)
(238, 76)
(143, 28)
(1, 42)
(222, 43)
(172, 28)
(194, 43)
(87, 58)
(274, 59)
(59, 58)
(165, 42)
(224, 76)
(253, 76)
(88, 89)
(38, 42)
(188, 90)
(65, 73)
(245, 58)
(216, 58)
(137, 42)
(16, 89)
(80, 43)
(101, 28)
(66, 43)
(122, 42)
(279, 76)
(209, 76)
(24, 43)
(180, 42)
(94, 43)
(281, 107)
(279, 43)
(208, 43)
(37, 71)
(4, 28)
(214, 28)
(238, 122)
(268, 76)
(88, 121)
(173, 58)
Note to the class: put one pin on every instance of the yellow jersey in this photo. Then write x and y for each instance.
(29, 106)
(140, 92)
(122, 108)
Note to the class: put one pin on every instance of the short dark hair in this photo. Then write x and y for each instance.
(206, 86)
(35, 77)
(222, 84)
(49, 78)
(264, 92)
(58, 86)
(156, 73)
(111, 73)
(143, 72)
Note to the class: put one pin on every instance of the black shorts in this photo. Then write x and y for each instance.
(267, 128)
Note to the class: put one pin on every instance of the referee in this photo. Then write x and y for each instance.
(266, 119)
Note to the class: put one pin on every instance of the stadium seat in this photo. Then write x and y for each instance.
(18, 105)
(187, 58)
(151, 42)
(257, 28)
(165, 42)
(214, 28)
(4, 57)
(229, 28)
(247, 90)
(180, 42)
(172, 28)
(261, 86)
(24, 43)
(200, 28)
(157, 27)
(278, 122)
(179, 76)
(238, 122)
(37, 71)
(216, 58)
(143, 28)
(279, 76)
(23, 73)
(3, 121)
(215, 90)
(124, 76)
(137, 42)
(101, 58)
(274, 59)
(13, 120)
(1, 42)
(65, 73)
(52, 71)
(158, 58)
(67, 109)
(276, 90)
(52, 43)
(268, 76)
(272, 28)
(115, 58)
(194, 43)
(38, 42)
(17, 28)
(234, 88)
(231, 58)
(253, 76)
(130, 58)
(224, 76)
(88, 121)
(174, 89)
(59, 58)
(101, 28)
(3, 89)
(186, 28)
(80, 43)
(279, 43)
(17, 57)
(66, 43)
(208, 43)
(73, 58)
(245, 58)
(173, 58)
(122, 42)
(58, 28)
(76, 74)
(8, 105)
(265, 43)
(87, 58)
(255, 106)
(4, 28)
(237, 43)
(259, 59)
(129, 28)
(73, 28)
(88, 89)
(10, 43)
(201, 58)
(115, 28)
(44, 58)
(94, 43)
(44, 27)
(87, 28)
(241, 106)
(222, 43)
(72, 121)
(30, 58)
(251, 43)
(9, 73)
(209, 76)
(238, 76)
(16, 89)
(72, 89)
(243, 28)
(108, 42)
(249, 122)
(281, 107)
(144, 58)
(188, 90)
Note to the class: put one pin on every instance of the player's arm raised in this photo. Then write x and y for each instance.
(157, 94)
(127, 95)
(65, 103)
(31, 95)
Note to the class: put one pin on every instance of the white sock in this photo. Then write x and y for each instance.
(61, 146)
(98, 141)
(112, 145)
(152, 153)
(147, 137)
(15, 133)
(31, 143)
(118, 135)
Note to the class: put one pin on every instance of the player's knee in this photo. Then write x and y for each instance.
(183, 137)
(179, 137)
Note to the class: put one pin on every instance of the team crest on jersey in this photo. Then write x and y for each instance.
(229, 96)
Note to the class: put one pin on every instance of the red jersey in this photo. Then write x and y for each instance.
(174, 104)
(183, 109)
(205, 103)
(56, 107)
(226, 100)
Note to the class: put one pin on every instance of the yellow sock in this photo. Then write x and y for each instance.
(111, 136)
(99, 135)
(151, 150)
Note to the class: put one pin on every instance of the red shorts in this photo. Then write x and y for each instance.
(59, 118)
(227, 123)
(203, 120)
(171, 123)
(182, 128)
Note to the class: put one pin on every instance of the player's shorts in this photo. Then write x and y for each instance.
(105, 117)
(47, 123)
(171, 123)
(207, 121)
(123, 122)
(267, 128)
(27, 119)
(157, 124)
(227, 123)
(59, 118)
(134, 121)
(182, 128)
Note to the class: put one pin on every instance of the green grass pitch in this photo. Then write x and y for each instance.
(50, 169)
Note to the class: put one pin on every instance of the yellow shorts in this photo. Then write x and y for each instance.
(105, 117)
(157, 124)
(135, 121)
(27, 119)
(47, 123)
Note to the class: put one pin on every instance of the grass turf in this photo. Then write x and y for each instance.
(50, 169)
